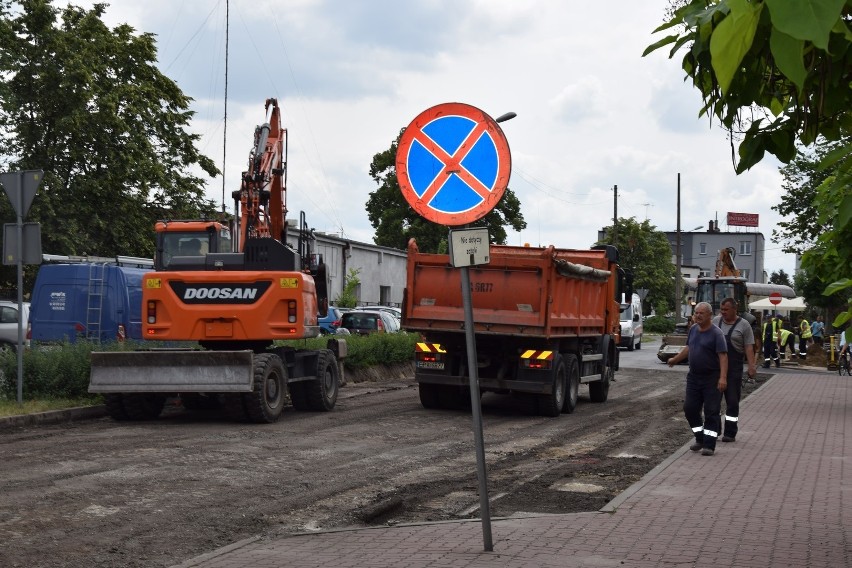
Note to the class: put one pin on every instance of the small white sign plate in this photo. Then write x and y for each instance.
(469, 247)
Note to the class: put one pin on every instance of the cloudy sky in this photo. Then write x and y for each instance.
(349, 74)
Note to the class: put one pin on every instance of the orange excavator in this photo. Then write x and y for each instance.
(230, 294)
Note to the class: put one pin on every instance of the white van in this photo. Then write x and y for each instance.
(631, 324)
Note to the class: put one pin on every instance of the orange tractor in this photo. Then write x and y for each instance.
(230, 295)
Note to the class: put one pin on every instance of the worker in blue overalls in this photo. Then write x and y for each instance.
(740, 340)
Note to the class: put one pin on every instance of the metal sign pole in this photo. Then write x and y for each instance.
(476, 409)
(20, 263)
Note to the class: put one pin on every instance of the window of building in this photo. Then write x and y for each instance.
(703, 273)
(384, 295)
(702, 248)
(745, 247)
(744, 273)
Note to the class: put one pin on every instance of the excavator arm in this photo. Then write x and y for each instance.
(262, 192)
(725, 265)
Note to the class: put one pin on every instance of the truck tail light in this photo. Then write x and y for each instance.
(151, 312)
(122, 334)
(291, 311)
(536, 359)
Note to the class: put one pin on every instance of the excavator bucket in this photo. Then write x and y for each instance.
(171, 371)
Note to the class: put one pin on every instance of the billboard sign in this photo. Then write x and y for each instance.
(743, 219)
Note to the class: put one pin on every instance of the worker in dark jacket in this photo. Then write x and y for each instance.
(706, 380)
(739, 338)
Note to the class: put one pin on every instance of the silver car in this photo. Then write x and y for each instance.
(9, 324)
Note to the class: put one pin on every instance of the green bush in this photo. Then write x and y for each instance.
(63, 371)
(658, 324)
(369, 350)
(60, 372)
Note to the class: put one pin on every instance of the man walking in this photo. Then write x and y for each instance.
(739, 338)
(706, 380)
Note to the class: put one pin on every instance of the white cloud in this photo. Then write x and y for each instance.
(592, 113)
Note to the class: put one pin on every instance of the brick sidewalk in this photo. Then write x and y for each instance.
(781, 495)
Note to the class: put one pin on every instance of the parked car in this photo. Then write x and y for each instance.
(330, 323)
(9, 324)
(631, 324)
(395, 312)
(363, 322)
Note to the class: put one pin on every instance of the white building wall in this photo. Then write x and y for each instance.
(379, 268)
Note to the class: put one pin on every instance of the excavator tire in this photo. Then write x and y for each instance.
(134, 406)
(265, 403)
(321, 394)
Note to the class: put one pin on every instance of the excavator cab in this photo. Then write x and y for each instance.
(713, 291)
(184, 244)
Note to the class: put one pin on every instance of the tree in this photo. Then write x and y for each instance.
(799, 205)
(348, 298)
(776, 75)
(811, 288)
(780, 277)
(88, 106)
(396, 222)
(646, 253)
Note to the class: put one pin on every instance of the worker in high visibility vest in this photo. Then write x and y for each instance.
(770, 341)
(786, 340)
(805, 335)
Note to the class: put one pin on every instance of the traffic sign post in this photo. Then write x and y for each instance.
(453, 165)
(775, 298)
(21, 188)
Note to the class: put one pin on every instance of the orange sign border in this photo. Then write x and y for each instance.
(484, 123)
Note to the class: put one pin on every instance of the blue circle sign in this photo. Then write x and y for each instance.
(453, 164)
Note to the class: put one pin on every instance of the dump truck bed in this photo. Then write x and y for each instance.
(546, 292)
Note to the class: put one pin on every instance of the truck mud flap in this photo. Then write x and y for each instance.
(171, 371)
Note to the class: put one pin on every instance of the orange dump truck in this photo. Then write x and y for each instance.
(545, 321)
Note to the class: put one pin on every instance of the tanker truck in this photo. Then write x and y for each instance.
(546, 320)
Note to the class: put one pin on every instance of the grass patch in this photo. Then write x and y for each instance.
(12, 408)
(58, 377)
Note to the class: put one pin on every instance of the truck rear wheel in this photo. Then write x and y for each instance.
(599, 390)
(573, 392)
(321, 394)
(552, 404)
(265, 403)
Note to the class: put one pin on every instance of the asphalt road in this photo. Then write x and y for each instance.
(102, 493)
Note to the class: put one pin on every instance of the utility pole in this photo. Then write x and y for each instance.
(615, 214)
(678, 278)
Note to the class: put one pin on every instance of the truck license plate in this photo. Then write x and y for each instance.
(430, 365)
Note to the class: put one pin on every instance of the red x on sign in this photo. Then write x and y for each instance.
(453, 164)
